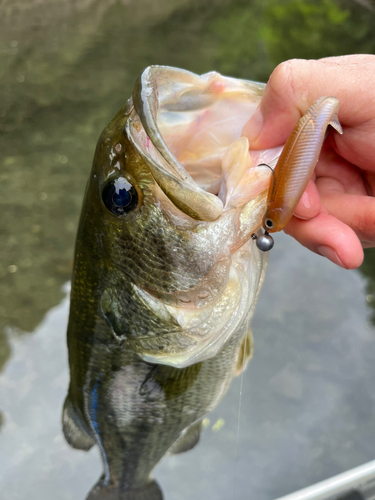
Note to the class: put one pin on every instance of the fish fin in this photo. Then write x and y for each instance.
(336, 124)
(74, 430)
(151, 491)
(169, 379)
(187, 440)
(246, 352)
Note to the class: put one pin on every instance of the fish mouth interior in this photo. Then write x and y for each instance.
(200, 127)
(198, 138)
(187, 128)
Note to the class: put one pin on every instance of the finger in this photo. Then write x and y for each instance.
(357, 212)
(349, 178)
(327, 236)
(295, 85)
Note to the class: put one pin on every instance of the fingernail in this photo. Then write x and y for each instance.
(254, 126)
(303, 209)
(331, 255)
(305, 200)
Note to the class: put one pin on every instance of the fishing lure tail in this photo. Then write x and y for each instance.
(336, 124)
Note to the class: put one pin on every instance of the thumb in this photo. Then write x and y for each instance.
(296, 84)
(279, 109)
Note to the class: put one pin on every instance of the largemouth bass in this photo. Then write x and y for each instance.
(166, 274)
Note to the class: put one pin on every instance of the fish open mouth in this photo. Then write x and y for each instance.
(188, 130)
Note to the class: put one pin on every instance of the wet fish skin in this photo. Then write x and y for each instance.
(134, 410)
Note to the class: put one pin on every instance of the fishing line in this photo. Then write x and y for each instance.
(239, 418)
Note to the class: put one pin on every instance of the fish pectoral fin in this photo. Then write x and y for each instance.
(110, 309)
(74, 430)
(246, 352)
(150, 491)
(187, 440)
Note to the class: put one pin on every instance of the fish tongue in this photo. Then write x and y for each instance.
(241, 181)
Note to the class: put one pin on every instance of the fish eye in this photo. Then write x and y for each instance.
(119, 196)
(269, 223)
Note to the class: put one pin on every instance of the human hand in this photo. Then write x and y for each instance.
(336, 214)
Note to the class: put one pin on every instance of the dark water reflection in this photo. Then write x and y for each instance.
(65, 68)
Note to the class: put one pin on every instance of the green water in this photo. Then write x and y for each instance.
(67, 66)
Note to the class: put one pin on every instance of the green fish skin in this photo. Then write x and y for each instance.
(164, 286)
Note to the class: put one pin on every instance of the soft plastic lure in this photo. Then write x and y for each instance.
(295, 166)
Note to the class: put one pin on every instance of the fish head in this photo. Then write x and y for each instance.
(174, 198)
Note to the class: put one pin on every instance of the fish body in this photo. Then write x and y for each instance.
(166, 275)
(297, 162)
